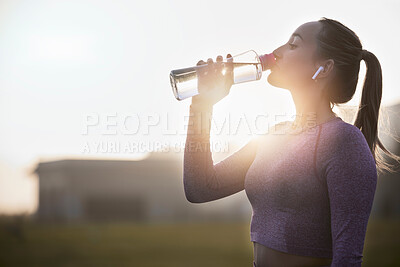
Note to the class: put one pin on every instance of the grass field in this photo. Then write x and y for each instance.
(136, 244)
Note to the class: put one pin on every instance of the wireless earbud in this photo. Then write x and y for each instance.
(317, 72)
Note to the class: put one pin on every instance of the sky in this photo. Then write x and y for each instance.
(77, 77)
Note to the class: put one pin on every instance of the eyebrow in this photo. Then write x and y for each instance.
(296, 34)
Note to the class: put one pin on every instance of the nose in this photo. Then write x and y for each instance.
(276, 55)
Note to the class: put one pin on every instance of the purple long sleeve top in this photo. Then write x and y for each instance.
(311, 193)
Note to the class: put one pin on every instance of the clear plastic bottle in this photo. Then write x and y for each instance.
(247, 66)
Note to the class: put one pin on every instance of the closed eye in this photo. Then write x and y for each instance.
(292, 46)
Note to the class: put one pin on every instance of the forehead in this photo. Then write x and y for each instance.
(308, 31)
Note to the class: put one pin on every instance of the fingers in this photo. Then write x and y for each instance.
(201, 71)
(210, 60)
(211, 67)
(219, 66)
(201, 62)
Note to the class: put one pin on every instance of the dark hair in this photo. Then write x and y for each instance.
(338, 42)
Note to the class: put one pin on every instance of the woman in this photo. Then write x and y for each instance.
(311, 182)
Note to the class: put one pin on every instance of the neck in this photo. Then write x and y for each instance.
(311, 110)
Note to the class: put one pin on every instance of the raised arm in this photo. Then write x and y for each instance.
(351, 179)
(203, 181)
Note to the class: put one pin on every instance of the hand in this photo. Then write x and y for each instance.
(214, 81)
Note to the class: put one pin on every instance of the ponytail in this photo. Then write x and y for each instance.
(368, 112)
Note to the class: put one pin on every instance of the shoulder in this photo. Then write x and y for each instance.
(343, 144)
(347, 162)
(342, 134)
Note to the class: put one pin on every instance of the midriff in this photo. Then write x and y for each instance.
(267, 257)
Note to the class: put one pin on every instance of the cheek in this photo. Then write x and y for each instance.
(297, 68)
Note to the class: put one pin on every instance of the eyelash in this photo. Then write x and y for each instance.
(292, 45)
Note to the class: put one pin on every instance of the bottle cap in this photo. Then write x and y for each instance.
(267, 61)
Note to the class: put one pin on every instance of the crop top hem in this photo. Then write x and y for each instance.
(285, 248)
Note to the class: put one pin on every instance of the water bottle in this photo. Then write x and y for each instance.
(247, 66)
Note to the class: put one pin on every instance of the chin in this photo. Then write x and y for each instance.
(275, 81)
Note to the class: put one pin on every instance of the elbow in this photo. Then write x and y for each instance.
(190, 196)
(190, 191)
(193, 200)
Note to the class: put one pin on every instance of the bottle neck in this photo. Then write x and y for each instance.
(267, 61)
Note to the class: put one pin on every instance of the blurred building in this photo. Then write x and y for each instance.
(148, 190)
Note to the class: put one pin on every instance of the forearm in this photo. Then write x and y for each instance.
(198, 164)
(204, 181)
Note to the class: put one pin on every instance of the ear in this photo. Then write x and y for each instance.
(328, 68)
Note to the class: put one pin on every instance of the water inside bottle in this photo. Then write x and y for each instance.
(184, 81)
(245, 72)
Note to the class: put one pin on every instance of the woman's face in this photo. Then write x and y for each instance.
(294, 60)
